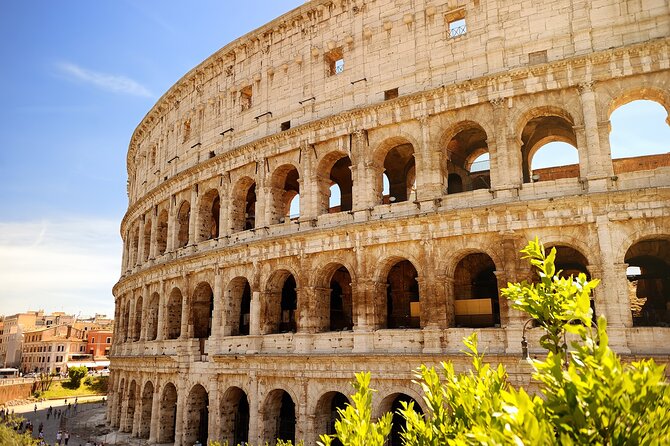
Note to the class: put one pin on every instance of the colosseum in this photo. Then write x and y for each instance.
(348, 187)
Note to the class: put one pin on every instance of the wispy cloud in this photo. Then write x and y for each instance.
(69, 265)
(105, 81)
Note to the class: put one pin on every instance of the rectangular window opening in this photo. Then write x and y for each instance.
(457, 28)
(390, 94)
(285, 126)
(335, 61)
(246, 95)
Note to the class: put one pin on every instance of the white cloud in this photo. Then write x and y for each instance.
(67, 265)
(104, 81)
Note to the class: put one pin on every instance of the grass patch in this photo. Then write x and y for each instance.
(92, 385)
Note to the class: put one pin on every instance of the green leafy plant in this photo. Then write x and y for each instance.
(76, 374)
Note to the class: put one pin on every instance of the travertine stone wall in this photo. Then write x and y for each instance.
(232, 314)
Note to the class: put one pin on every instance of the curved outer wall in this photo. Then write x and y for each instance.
(273, 113)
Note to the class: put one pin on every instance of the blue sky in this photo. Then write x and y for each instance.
(77, 77)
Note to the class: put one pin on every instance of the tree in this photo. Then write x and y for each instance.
(76, 374)
(588, 396)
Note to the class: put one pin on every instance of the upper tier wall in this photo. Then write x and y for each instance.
(283, 71)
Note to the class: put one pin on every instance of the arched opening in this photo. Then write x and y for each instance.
(119, 402)
(183, 217)
(639, 136)
(327, 413)
(289, 305)
(279, 304)
(134, 246)
(285, 188)
(649, 282)
(147, 240)
(202, 308)
(210, 208)
(168, 414)
(239, 295)
(335, 183)
(403, 308)
(571, 262)
(554, 161)
(152, 317)
(126, 323)
(468, 166)
(243, 209)
(130, 410)
(475, 293)
(147, 403)
(279, 417)
(235, 417)
(341, 304)
(173, 315)
(541, 130)
(137, 328)
(162, 233)
(393, 403)
(399, 167)
(197, 407)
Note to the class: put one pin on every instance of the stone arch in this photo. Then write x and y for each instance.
(130, 408)
(280, 304)
(162, 232)
(285, 186)
(183, 218)
(167, 414)
(395, 158)
(326, 413)
(539, 126)
(137, 326)
(152, 316)
(391, 404)
(279, 416)
(146, 246)
(172, 318)
(145, 408)
(648, 275)
(333, 288)
(208, 216)
(401, 302)
(474, 289)
(334, 171)
(238, 306)
(202, 307)
(461, 145)
(628, 94)
(243, 205)
(196, 422)
(235, 416)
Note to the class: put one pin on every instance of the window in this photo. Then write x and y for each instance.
(285, 126)
(109, 340)
(334, 62)
(92, 340)
(456, 23)
(246, 95)
(390, 94)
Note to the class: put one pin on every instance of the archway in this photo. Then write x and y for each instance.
(183, 218)
(210, 208)
(147, 404)
(152, 317)
(549, 126)
(126, 335)
(168, 414)
(335, 183)
(130, 410)
(399, 167)
(173, 315)
(279, 417)
(162, 233)
(393, 403)
(197, 416)
(147, 240)
(327, 413)
(285, 187)
(202, 307)
(571, 262)
(239, 307)
(403, 308)
(467, 166)
(649, 282)
(243, 209)
(341, 303)
(475, 292)
(235, 416)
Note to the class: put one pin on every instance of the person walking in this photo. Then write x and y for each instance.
(35, 409)
(59, 436)
(66, 437)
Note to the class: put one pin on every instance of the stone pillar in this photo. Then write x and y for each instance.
(214, 411)
(145, 304)
(450, 312)
(193, 217)
(504, 153)
(255, 429)
(309, 190)
(599, 299)
(154, 234)
(140, 248)
(162, 303)
(172, 225)
(180, 422)
(428, 171)
(598, 166)
(155, 416)
(185, 308)
(219, 308)
(255, 314)
(364, 190)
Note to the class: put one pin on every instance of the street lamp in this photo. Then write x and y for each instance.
(524, 342)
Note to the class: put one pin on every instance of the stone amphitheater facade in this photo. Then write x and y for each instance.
(238, 319)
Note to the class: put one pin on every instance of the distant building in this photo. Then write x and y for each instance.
(50, 349)
(11, 336)
(99, 344)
